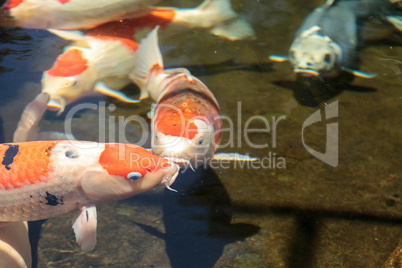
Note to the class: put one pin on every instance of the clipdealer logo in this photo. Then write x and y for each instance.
(271, 161)
(330, 156)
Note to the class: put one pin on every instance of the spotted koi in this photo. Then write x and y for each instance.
(44, 179)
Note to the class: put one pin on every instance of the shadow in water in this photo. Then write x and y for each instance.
(302, 248)
(311, 91)
(35, 228)
(303, 244)
(197, 220)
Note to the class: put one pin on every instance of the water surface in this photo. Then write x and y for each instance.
(304, 214)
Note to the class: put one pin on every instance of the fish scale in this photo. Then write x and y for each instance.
(33, 203)
(28, 166)
(37, 185)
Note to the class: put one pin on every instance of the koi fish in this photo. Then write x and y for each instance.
(92, 65)
(44, 179)
(326, 43)
(186, 121)
(74, 14)
(100, 60)
(216, 16)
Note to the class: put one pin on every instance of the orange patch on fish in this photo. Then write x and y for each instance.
(176, 112)
(127, 28)
(156, 70)
(12, 4)
(172, 124)
(70, 63)
(122, 159)
(24, 163)
(160, 16)
(63, 1)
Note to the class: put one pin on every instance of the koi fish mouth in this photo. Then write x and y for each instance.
(306, 72)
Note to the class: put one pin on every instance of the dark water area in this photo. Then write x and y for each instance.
(288, 210)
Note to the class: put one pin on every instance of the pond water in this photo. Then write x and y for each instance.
(289, 209)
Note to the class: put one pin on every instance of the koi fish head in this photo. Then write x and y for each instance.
(118, 171)
(69, 78)
(188, 138)
(312, 54)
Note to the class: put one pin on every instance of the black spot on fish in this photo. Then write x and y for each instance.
(30, 196)
(48, 150)
(52, 200)
(86, 211)
(71, 154)
(9, 155)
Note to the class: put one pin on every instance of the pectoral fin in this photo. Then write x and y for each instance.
(151, 113)
(27, 128)
(359, 73)
(278, 58)
(84, 225)
(396, 21)
(233, 157)
(68, 35)
(102, 88)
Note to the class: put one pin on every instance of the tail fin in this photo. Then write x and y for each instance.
(237, 29)
(217, 9)
(149, 59)
(210, 12)
(218, 16)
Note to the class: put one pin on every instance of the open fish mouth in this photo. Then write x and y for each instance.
(307, 72)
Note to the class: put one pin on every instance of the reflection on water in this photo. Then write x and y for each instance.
(307, 215)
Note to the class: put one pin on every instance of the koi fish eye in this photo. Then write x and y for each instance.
(200, 141)
(134, 176)
(327, 58)
(71, 154)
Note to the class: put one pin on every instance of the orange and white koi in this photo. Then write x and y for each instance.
(186, 121)
(216, 16)
(74, 14)
(44, 179)
(93, 64)
(100, 60)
